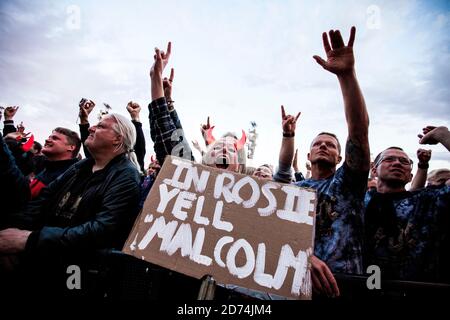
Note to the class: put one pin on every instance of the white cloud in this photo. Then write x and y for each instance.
(235, 61)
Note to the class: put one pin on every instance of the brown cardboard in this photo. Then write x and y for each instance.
(247, 223)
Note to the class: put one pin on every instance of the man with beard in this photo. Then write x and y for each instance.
(407, 232)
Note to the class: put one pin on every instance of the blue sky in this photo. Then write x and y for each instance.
(236, 61)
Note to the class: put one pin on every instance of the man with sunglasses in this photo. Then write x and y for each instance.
(407, 232)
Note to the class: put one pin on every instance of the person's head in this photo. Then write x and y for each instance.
(325, 150)
(438, 177)
(62, 144)
(113, 135)
(153, 168)
(393, 167)
(36, 148)
(264, 171)
(226, 153)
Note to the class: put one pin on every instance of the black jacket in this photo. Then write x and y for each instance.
(16, 189)
(102, 219)
(52, 170)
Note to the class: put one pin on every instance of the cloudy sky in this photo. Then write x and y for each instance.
(236, 61)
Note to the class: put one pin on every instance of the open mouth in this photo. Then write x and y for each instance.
(222, 163)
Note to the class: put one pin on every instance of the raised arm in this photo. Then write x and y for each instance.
(134, 110)
(198, 147)
(420, 178)
(297, 173)
(161, 59)
(165, 126)
(288, 124)
(340, 61)
(14, 185)
(203, 129)
(182, 148)
(9, 113)
(163, 130)
(86, 107)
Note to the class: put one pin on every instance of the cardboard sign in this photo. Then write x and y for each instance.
(253, 233)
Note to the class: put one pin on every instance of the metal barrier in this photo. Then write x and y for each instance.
(113, 275)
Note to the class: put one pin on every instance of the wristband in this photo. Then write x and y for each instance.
(288, 134)
(423, 165)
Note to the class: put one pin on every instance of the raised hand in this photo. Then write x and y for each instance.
(17, 135)
(197, 146)
(424, 156)
(431, 134)
(340, 59)
(10, 112)
(434, 135)
(167, 86)
(288, 122)
(86, 106)
(204, 128)
(134, 109)
(161, 60)
(21, 128)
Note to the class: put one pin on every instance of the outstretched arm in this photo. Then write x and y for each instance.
(340, 61)
(165, 129)
(161, 60)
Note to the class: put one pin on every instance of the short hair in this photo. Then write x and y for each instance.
(377, 158)
(331, 135)
(37, 146)
(72, 138)
(268, 166)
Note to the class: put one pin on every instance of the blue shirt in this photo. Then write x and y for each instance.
(407, 234)
(339, 226)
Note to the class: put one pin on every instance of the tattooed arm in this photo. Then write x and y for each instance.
(340, 61)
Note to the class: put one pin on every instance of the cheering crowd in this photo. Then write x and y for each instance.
(59, 209)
